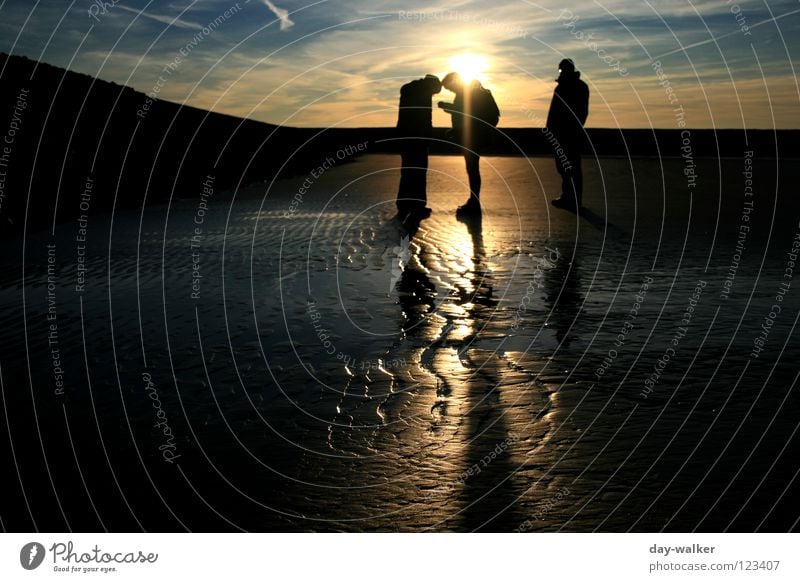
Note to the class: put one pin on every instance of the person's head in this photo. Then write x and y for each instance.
(566, 67)
(452, 82)
(434, 83)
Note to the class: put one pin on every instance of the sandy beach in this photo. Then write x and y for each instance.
(291, 357)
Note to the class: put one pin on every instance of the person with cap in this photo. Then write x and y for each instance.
(568, 112)
(414, 130)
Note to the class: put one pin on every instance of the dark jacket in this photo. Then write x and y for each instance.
(414, 118)
(473, 128)
(569, 107)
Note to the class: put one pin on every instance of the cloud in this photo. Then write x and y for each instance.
(281, 13)
(350, 73)
(172, 21)
(349, 59)
(731, 33)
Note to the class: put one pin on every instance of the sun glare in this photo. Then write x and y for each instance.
(469, 66)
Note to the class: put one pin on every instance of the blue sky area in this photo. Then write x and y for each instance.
(334, 62)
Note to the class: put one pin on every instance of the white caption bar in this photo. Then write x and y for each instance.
(356, 557)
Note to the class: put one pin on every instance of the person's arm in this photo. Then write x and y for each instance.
(448, 107)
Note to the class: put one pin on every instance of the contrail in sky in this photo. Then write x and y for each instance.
(281, 13)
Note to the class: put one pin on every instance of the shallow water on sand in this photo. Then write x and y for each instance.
(322, 366)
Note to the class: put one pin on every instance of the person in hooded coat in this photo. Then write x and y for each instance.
(565, 120)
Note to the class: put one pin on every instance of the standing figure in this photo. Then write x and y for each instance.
(414, 129)
(474, 115)
(568, 111)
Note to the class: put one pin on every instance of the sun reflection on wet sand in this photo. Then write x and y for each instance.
(469, 377)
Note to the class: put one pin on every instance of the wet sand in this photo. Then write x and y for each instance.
(278, 360)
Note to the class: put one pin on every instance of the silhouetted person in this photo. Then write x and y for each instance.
(414, 128)
(568, 111)
(474, 114)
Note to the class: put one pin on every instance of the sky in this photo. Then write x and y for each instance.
(648, 63)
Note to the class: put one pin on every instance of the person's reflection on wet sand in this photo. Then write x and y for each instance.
(489, 491)
(482, 294)
(416, 292)
(563, 295)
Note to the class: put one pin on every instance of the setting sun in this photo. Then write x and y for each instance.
(469, 66)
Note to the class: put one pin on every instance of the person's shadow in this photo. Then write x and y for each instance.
(599, 222)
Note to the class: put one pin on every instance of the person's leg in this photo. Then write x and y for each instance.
(569, 167)
(573, 175)
(563, 171)
(577, 176)
(406, 180)
(473, 162)
(421, 185)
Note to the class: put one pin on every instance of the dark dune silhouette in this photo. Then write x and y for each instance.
(74, 129)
